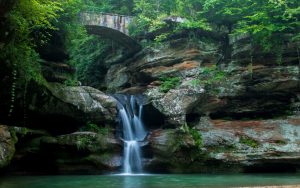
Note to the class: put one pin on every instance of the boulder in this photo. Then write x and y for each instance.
(90, 141)
(163, 142)
(173, 150)
(100, 151)
(108, 161)
(75, 153)
(7, 146)
(79, 103)
(117, 77)
(176, 103)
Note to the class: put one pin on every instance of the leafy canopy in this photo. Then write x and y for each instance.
(267, 21)
(29, 21)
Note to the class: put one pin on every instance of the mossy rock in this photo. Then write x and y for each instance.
(7, 146)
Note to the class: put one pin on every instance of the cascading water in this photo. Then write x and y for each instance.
(130, 114)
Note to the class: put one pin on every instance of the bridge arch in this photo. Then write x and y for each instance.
(112, 26)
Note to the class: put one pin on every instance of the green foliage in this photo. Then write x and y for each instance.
(266, 21)
(209, 76)
(13, 134)
(152, 13)
(28, 25)
(110, 6)
(198, 24)
(30, 21)
(224, 149)
(248, 141)
(31, 15)
(169, 83)
(197, 138)
(139, 25)
(161, 38)
(69, 15)
(194, 134)
(23, 131)
(83, 143)
(85, 50)
(281, 142)
(71, 82)
(92, 127)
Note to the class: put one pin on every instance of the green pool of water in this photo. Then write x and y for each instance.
(148, 181)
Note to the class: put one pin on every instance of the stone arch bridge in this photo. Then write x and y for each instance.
(112, 26)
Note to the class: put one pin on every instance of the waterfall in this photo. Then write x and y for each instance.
(133, 131)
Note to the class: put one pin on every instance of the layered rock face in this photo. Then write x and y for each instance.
(180, 57)
(245, 109)
(212, 106)
(236, 87)
(229, 146)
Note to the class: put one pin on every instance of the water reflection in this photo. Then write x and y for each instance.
(128, 182)
(149, 181)
(135, 180)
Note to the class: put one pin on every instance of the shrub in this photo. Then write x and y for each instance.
(169, 83)
(194, 134)
(208, 77)
(83, 143)
(92, 127)
(249, 142)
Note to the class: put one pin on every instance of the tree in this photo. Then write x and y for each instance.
(29, 21)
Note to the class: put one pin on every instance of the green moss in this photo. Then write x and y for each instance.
(161, 37)
(169, 83)
(194, 134)
(248, 141)
(23, 131)
(71, 82)
(92, 127)
(174, 144)
(83, 142)
(281, 142)
(197, 138)
(13, 134)
(209, 76)
(223, 149)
